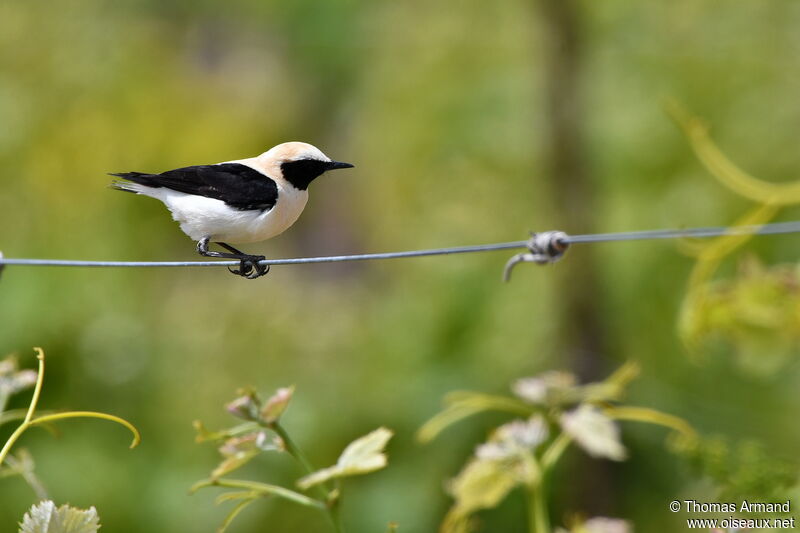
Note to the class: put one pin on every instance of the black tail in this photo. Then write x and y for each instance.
(138, 177)
(135, 177)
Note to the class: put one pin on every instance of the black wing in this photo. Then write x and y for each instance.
(239, 186)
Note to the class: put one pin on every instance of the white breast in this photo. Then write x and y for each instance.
(291, 203)
(202, 217)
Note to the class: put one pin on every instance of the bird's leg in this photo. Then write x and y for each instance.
(231, 248)
(250, 266)
(202, 249)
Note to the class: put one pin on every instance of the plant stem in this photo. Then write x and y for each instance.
(552, 454)
(13, 414)
(43, 419)
(295, 450)
(3, 403)
(11, 440)
(37, 390)
(30, 421)
(336, 519)
(331, 498)
(539, 522)
(261, 488)
(31, 408)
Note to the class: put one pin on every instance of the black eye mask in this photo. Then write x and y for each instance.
(301, 173)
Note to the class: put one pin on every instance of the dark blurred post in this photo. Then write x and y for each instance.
(572, 189)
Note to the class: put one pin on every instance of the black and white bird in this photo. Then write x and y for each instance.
(242, 201)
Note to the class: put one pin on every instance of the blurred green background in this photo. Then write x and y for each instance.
(447, 110)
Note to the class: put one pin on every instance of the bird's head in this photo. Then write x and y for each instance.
(298, 163)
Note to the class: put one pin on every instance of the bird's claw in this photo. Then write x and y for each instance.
(250, 267)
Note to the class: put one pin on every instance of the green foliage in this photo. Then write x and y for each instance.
(44, 517)
(758, 311)
(264, 433)
(13, 380)
(756, 314)
(505, 461)
(744, 470)
(550, 390)
(521, 453)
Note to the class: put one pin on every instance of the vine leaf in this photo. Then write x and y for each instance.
(504, 462)
(44, 517)
(594, 431)
(361, 456)
(482, 484)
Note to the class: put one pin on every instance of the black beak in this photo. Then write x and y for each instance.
(333, 165)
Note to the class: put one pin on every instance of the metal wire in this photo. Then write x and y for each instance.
(292, 261)
(766, 229)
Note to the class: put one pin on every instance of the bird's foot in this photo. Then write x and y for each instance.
(250, 267)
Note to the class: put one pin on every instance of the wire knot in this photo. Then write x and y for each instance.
(543, 248)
